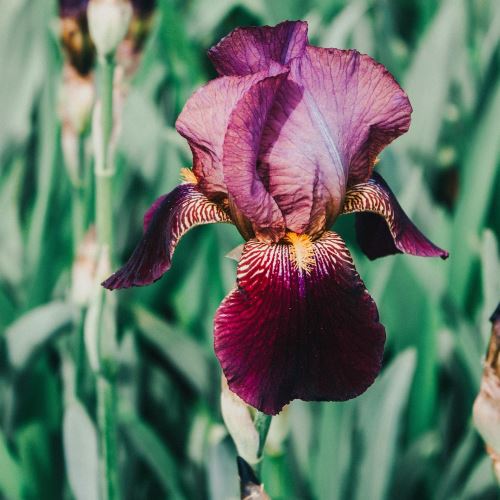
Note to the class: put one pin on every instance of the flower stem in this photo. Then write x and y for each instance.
(77, 199)
(262, 423)
(106, 393)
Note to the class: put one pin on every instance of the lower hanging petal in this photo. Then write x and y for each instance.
(165, 222)
(300, 324)
(382, 227)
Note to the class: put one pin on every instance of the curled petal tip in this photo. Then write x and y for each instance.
(168, 219)
(382, 226)
(444, 254)
(252, 49)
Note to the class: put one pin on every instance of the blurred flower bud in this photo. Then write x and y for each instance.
(108, 23)
(278, 432)
(85, 269)
(239, 423)
(76, 41)
(75, 110)
(77, 100)
(128, 54)
(486, 411)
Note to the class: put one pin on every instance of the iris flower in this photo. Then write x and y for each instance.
(283, 143)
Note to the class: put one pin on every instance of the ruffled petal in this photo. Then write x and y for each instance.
(241, 149)
(249, 50)
(166, 221)
(385, 229)
(328, 124)
(287, 333)
(203, 122)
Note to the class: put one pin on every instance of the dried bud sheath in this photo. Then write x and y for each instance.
(486, 411)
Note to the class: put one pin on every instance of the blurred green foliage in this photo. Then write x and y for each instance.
(410, 436)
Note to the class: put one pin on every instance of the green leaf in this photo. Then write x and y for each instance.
(481, 481)
(11, 476)
(490, 272)
(11, 249)
(22, 59)
(80, 452)
(338, 32)
(37, 459)
(479, 171)
(428, 79)
(150, 448)
(178, 348)
(335, 450)
(221, 466)
(459, 458)
(381, 418)
(32, 330)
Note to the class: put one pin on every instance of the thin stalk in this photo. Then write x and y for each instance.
(262, 424)
(78, 199)
(106, 393)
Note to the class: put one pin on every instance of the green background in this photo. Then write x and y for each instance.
(410, 435)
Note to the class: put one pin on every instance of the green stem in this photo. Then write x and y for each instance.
(262, 423)
(106, 421)
(106, 398)
(78, 200)
(104, 168)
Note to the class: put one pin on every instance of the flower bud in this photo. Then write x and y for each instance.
(278, 433)
(83, 274)
(239, 423)
(108, 23)
(76, 100)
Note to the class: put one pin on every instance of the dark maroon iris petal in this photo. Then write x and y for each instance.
(382, 227)
(72, 8)
(286, 334)
(249, 50)
(166, 221)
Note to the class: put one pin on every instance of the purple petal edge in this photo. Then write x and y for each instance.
(382, 226)
(170, 217)
(249, 50)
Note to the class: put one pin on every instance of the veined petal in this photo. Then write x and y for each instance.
(249, 50)
(338, 110)
(203, 122)
(286, 332)
(383, 228)
(241, 149)
(165, 222)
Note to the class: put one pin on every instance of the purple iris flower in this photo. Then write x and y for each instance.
(283, 142)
